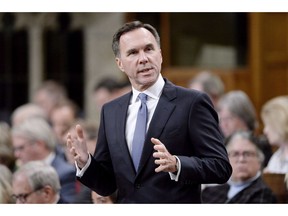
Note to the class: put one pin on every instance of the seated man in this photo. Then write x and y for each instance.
(246, 184)
(36, 182)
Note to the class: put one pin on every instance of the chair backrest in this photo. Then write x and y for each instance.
(277, 184)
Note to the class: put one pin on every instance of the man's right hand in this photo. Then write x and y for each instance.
(77, 146)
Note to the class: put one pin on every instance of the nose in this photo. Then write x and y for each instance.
(143, 57)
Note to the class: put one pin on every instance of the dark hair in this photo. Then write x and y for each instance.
(130, 26)
(109, 83)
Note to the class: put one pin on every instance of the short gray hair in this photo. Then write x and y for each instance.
(39, 175)
(36, 129)
(240, 105)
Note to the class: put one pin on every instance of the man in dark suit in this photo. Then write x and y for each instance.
(246, 184)
(183, 145)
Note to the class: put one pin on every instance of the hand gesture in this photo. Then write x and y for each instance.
(166, 161)
(77, 146)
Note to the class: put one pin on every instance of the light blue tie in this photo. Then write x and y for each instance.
(140, 131)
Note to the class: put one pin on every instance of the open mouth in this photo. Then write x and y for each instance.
(144, 70)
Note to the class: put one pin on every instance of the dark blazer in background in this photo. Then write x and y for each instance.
(257, 192)
(186, 122)
(67, 178)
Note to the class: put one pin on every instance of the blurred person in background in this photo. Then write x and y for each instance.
(49, 94)
(107, 89)
(237, 113)
(25, 111)
(5, 185)
(34, 139)
(209, 83)
(6, 149)
(274, 114)
(98, 199)
(36, 183)
(246, 184)
(63, 116)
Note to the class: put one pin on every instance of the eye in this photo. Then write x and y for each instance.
(132, 52)
(149, 48)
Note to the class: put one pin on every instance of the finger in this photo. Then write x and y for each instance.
(156, 141)
(162, 162)
(79, 131)
(158, 145)
(161, 168)
(68, 140)
(159, 154)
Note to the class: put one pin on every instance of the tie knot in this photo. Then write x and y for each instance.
(143, 97)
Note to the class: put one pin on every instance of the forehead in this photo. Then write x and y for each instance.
(20, 183)
(19, 138)
(240, 143)
(137, 37)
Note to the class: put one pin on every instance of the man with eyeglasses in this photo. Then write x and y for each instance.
(34, 139)
(246, 184)
(36, 182)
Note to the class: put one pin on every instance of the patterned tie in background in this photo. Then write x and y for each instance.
(140, 131)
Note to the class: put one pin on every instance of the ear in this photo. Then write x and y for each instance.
(48, 192)
(119, 64)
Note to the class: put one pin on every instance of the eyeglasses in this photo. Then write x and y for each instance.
(21, 147)
(246, 154)
(23, 197)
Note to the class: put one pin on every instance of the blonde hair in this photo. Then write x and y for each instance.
(275, 113)
(5, 185)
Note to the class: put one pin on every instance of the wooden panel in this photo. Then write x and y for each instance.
(268, 56)
(277, 183)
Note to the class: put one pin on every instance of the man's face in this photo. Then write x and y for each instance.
(244, 159)
(230, 123)
(140, 58)
(23, 149)
(62, 119)
(23, 193)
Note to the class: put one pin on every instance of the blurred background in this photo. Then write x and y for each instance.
(249, 51)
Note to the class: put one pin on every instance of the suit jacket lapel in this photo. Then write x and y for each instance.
(161, 115)
(120, 122)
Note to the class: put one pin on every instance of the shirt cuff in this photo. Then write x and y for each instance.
(80, 172)
(174, 176)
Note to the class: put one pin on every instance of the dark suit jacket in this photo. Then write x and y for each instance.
(257, 192)
(185, 121)
(67, 178)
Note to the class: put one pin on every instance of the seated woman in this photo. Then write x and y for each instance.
(274, 114)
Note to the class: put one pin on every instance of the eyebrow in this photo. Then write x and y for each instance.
(149, 45)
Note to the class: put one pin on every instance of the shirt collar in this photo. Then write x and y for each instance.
(153, 91)
(248, 181)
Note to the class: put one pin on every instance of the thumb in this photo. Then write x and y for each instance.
(79, 131)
